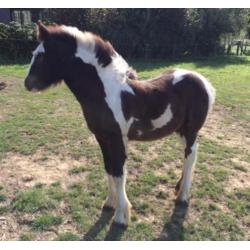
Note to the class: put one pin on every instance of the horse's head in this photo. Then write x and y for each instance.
(50, 59)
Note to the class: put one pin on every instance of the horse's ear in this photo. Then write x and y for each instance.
(42, 31)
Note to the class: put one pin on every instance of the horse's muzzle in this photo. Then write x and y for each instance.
(29, 83)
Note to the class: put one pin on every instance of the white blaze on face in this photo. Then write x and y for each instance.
(38, 50)
(164, 119)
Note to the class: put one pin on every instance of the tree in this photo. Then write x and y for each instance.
(159, 33)
(72, 17)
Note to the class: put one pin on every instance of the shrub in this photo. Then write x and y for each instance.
(17, 40)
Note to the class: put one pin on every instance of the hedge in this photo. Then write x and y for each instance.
(17, 40)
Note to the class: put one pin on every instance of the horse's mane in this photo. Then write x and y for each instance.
(98, 52)
(132, 74)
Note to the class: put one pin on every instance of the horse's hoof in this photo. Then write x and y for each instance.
(107, 208)
(181, 203)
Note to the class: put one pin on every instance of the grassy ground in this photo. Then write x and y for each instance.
(52, 182)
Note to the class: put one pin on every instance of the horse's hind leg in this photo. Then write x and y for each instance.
(184, 184)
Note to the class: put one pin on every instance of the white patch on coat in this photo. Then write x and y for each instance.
(38, 50)
(113, 76)
(165, 118)
(179, 75)
(188, 167)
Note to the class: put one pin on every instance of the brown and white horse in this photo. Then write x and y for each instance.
(117, 106)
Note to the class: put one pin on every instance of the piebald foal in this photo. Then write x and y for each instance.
(117, 106)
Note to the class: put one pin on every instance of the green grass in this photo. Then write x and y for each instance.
(70, 207)
(32, 200)
(3, 209)
(2, 197)
(46, 221)
(77, 170)
(26, 237)
(67, 236)
(239, 202)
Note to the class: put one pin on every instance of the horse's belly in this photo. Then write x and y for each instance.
(144, 131)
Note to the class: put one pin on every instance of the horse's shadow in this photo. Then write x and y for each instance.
(114, 233)
(173, 229)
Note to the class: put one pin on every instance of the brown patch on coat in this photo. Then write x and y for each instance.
(132, 74)
(104, 51)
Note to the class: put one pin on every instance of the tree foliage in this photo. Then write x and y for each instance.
(17, 40)
(159, 33)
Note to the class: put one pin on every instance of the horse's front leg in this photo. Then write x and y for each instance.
(114, 155)
(110, 202)
(123, 206)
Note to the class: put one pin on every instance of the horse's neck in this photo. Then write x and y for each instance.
(84, 82)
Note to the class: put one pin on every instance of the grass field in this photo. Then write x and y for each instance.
(52, 179)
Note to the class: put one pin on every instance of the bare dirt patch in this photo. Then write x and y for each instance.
(22, 171)
(9, 227)
(3, 85)
(19, 172)
(222, 128)
(239, 179)
(8, 81)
